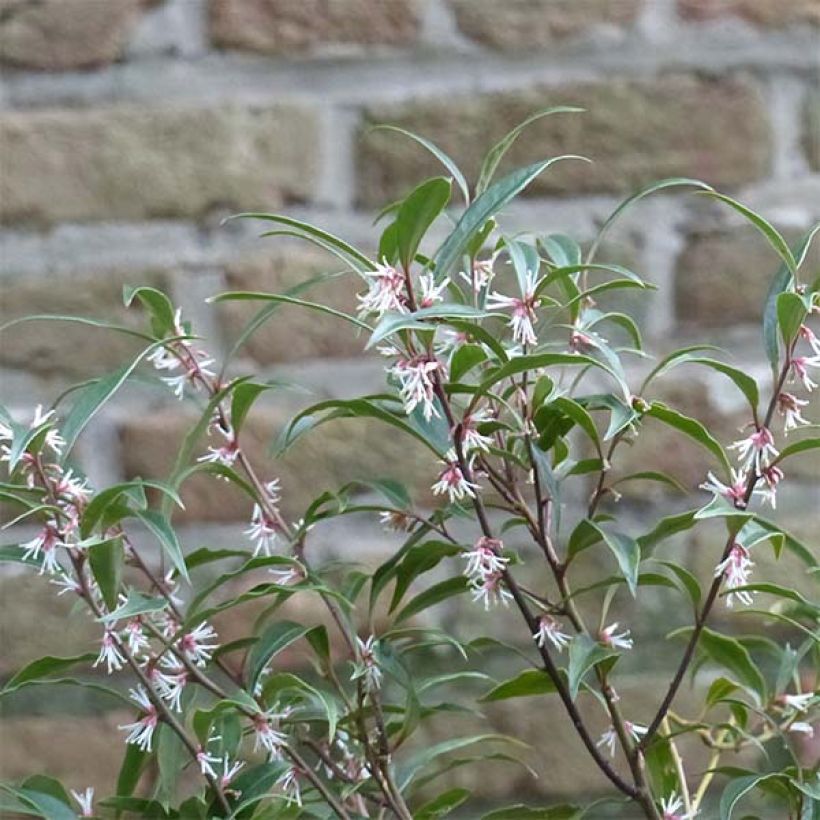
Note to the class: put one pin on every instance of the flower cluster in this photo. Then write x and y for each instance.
(485, 572)
(735, 571)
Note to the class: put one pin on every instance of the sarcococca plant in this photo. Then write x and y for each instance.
(498, 360)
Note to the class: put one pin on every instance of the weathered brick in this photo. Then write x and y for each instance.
(293, 333)
(634, 131)
(55, 35)
(518, 24)
(811, 138)
(54, 348)
(723, 277)
(287, 27)
(770, 13)
(135, 163)
(323, 459)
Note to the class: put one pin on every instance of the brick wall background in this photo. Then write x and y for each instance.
(130, 128)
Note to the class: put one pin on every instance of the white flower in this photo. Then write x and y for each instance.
(386, 291)
(289, 782)
(523, 308)
(754, 450)
(73, 490)
(736, 570)
(734, 492)
(68, 584)
(799, 368)
(771, 476)
(141, 731)
(613, 639)
(789, 407)
(367, 668)
(452, 481)
(169, 686)
(550, 630)
(608, 738)
(263, 530)
(802, 727)
(415, 377)
(53, 438)
(266, 733)
(225, 454)
(482, 274)
(396, 521)
(490, 590)
(133, 632)
(47, 541)
(229, 771)
(807, 334)
(672, 808)
(799, 703)
(85, 801)
(110, 653)
(430, 291)
(205, 760)
(195, 644)
(473, 440)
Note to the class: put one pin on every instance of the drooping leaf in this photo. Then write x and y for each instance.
(44, 668)
(432, 596)
(162, 530)
(584, 653)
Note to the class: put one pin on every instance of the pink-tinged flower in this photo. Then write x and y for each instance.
(181, 354)
(550, 630)
(288, 576)
(289, 783)
(225, 455)
(799, 370)
(583, 341)
(264, 530)
(609, 636)
(772, 476)
(73, 490)
(367, 668)
(802, 727)
(808, 335)
(229, 771)
(110, 653)
(449, 340)
(736, 570)
(133, 633)
(452, 481)
(68, 584)
(471, 438)
(53, 439)
(610, 736)
(169, 585)
(416, 386)
(490, 590)
(485, 559)
(789, 407)
(141, 732)
(46, 542)
(169, 685)
(798, 703)
(386, 291)
(481, 276)
(755, 450)
(195, 644)
(85, 800)
(734, 492)
(397, 521)
(266, 733)
(430, 291)
(523, 308)
(206, 761)
(673, 808)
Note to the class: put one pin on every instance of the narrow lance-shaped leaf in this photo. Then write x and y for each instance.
(417, 213)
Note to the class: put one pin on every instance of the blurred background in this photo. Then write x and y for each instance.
(130, 128)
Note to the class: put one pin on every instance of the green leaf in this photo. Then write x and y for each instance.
(672, 182)
(434, 595)
(273, 640)
(791, 311)
(48, 806)
(520, 364)
(171, 756)
(157, 304)
(497, 152)
(580, 416)
(242, 398)
(443, 158)
(652, 475)
(745, 383)
(690, 427)
(485, 206)
(442, 805)
(627, 553)
(739, 787)
(522, 812)
(131, 770)
(687, 581)
(563, 250)
(525, 684)
(136, 604)
(417, 213)
(798, 447)
(362, 262)
(106, 560)
(45, 667)
(778, 244)
(465, 359)
(670, 525)
(391, 323)
(733, 656)
(417, 561)
(584, 653)
(162, 530)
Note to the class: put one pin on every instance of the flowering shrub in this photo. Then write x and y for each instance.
(498, 362)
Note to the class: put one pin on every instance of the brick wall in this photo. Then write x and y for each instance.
(130, 128)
